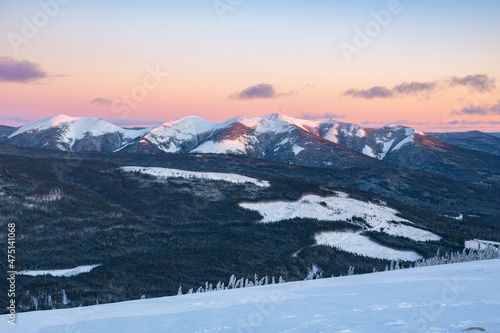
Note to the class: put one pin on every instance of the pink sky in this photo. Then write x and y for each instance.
(296, 51)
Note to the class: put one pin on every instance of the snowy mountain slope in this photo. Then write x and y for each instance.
(276, 138)
(281, 139)
(232, 139)
(178, 136)
(263, 137)
(252, 135)
(373, 142)
(412, 149)
(74, 134)
(447, 298)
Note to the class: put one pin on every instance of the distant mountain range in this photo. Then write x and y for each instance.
(475, 140)
(277, 138)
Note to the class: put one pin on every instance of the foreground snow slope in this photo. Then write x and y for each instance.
(449, 298)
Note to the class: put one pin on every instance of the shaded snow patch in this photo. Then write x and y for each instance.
(175, 173)
(61, 272)
(356, 243)
(341, 208)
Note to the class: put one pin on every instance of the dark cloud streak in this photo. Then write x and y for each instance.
(260, 91)
(415, 88)
(101, 101)
(478, 82)
(484, 110)
(374, 92)
(326, 115)
(20, 71)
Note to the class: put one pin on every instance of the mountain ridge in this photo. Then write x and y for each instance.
(474, 140)
(276, 137)
(188, 133)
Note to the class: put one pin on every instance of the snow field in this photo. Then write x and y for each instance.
(166, 173)
(342, 208)
(438, 299)
(480, 244)
(61, 272)
(356, 243)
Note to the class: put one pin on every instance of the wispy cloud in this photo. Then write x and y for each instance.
(409, 122)
(415, 88)
(17, 119)
(480, 110)
(463, 122)
(460, 125)
(101, 101)
(259, 91)
(478, 82)
(326, 115)
(399, 122)
(374, 92)
(20, 71)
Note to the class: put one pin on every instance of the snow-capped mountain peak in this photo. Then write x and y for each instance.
(392, 126)
(274, 137)
(44, 124)
(307, 125)
(64, 133)
(76, 128)
(183, 134)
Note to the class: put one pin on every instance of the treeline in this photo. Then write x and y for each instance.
(234, 284)
(467, 255)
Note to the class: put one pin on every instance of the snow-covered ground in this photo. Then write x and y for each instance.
(354, 242)
(61, 272)
(340, 208)
(480, 244)
(448, 298)
(175, 173)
